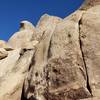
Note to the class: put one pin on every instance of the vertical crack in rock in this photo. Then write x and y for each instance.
(22, 95)
(80, 42)
(49, 53)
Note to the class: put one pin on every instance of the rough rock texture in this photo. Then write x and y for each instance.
(37, 76)
(93, 98)
(3, 53)
(56, 60)
(90, 3)
(67, 71)
(90, 36)
(13, 70)
(23, 38)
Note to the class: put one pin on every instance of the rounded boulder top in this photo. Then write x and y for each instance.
(26, 25)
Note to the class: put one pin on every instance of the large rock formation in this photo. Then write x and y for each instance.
(56, 60)
(90, 38)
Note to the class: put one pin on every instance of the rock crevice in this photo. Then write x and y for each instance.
(80, 42)
(56, 60)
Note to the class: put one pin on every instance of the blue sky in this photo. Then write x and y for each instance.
(14, 11)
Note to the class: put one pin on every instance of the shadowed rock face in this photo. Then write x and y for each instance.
(89, 3)
(92, 2)
(3, 53)
(56, 60)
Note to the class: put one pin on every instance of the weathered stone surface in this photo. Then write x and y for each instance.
(90, 37)
(75, 17)
(57, 60)
(5, 45)
(13, 70)
(67, 76)
(90, 3)
(3, 53)
(37, 80)
(44, 25)
(23, 37)
(93, 98)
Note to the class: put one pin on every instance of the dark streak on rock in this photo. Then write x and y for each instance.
(83, 57)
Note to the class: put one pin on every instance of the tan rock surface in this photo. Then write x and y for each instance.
(90, 36)
(66, 67)
(57, 60)
(2, 44)
(23, 37)
(92, 2)
(3, 53)
(5, 45)
(46, 26)
(93, 98)
(89, 3)
(13, 70)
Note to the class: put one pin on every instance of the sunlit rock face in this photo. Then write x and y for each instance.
(56, 60)
(90, 36)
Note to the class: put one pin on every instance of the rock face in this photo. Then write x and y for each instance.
(56, 60)
(3, 53)
(5, 45)
(90, 3)
(90, 36)
(23, 38)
